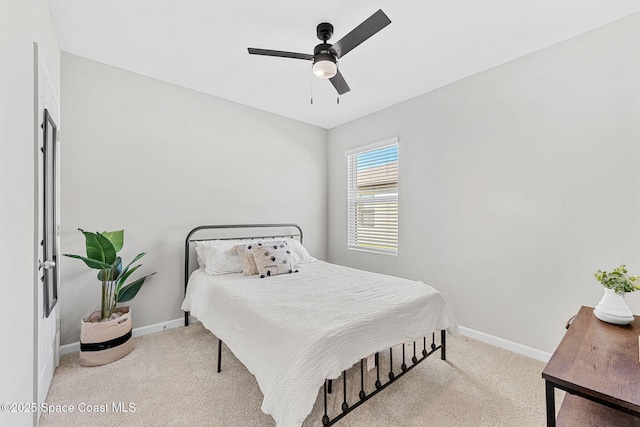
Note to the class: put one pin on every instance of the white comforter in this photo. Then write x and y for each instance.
(294, 330)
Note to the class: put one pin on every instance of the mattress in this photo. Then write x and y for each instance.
(293, 331)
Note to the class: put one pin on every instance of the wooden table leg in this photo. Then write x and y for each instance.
(551, 404)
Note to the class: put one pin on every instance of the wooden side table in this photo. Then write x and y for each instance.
(597, 365)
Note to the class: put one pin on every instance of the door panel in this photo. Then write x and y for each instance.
(48, 118)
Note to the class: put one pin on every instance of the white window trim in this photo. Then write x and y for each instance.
(373, 146)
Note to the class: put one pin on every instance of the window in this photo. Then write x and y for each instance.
(372, 197)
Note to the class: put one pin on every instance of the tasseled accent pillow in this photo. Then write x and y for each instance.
(272, 258)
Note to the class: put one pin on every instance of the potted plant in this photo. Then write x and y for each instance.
(612, 308)
(105, 334)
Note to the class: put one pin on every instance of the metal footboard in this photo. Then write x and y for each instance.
(363, 395)
(378, 386)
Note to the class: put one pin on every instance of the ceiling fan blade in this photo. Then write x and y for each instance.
(339, 83)
(362, 32)
(280, 53)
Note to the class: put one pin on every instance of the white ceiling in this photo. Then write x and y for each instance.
(202, 45)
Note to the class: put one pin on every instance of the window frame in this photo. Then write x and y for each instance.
(353, 212)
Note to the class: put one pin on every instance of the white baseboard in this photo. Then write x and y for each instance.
(137, 332)
(506, 344)
(468, 332)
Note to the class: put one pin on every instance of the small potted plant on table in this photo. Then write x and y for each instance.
(612, 308)
(105, 335)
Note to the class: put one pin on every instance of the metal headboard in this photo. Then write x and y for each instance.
(190, 239)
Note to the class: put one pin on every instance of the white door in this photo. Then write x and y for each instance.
(48, 119)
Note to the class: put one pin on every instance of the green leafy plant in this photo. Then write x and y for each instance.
(618, 280)
(102, 254)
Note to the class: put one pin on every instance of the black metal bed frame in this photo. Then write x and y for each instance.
(328, 384)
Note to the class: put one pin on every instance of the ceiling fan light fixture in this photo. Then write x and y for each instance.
(325, 66)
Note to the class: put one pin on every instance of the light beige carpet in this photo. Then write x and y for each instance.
(170, 379)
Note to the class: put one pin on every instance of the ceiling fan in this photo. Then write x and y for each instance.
(325, 56)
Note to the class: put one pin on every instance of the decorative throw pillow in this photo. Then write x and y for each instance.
(272, 258)
(297, 252)
(247, 261)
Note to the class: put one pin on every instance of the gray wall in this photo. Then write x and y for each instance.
(21, 23)
(157, 160)
(516, 184)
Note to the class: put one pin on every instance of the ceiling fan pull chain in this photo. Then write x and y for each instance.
(338, 100)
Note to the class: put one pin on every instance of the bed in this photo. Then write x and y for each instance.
(297, 332)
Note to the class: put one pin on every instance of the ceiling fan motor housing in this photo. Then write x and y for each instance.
(323, 49)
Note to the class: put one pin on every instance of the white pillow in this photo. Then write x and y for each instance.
(202, 251)
(299, 254)
(214, 256)
(203, 248)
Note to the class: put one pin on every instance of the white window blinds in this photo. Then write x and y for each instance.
(372, 197)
